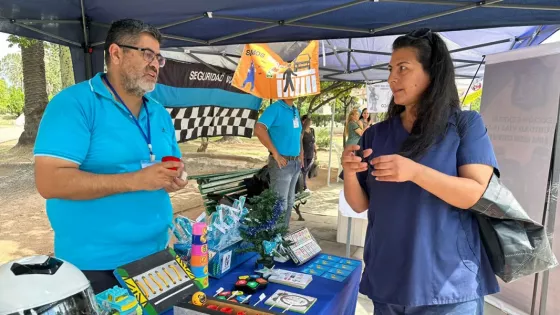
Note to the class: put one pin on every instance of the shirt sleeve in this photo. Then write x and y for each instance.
(268, 117)
(475, 146)
(65, 130)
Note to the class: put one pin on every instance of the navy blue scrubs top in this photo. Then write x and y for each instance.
(419, 250)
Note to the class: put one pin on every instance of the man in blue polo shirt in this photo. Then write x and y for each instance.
(97, 159)
(279, 130)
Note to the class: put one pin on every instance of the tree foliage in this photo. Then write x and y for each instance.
(11, 70)
(52, 69)
(330, 91)
(475, 105)
(58, 73)
(66, 69)
(11, 99)
(264, 222)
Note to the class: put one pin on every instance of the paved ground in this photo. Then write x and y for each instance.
(10, 133)
(320, 214)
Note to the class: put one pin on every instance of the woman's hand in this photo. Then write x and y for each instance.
(352, 164)
(395, 168)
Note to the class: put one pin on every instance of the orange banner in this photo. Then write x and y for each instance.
(263, 73)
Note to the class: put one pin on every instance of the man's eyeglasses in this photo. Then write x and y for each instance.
(422, 33)
(149, 55)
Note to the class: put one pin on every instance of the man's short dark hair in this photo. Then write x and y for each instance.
(127, 32)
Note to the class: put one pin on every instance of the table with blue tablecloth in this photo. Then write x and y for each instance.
(333, 297)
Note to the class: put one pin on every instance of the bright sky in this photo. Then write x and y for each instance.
(4, 49)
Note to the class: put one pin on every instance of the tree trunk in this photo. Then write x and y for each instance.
(203, 146)
(230, 139)
(66, 70)
(35, 90)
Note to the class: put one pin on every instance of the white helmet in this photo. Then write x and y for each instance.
(44, 285)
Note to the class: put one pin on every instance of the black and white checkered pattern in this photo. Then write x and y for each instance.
(212, 121)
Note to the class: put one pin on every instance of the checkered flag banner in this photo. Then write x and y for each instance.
(212, 121)
(202, 102)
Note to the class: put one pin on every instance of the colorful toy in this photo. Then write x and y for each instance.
(199, 298)
(117, 301)
(158, 281)
(199, 255)
(250, 284)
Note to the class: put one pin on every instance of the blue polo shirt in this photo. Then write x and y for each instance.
(85, 125)
(419, 250)
(279, 120)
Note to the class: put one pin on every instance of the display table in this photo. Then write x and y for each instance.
(332, 297)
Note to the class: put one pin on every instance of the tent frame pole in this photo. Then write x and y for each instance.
(36, 30)
(202, 61)
(472, 81)
(272, 23)
(331, 142)
(349, 53)
(535, 34)
(34, 21)
(87, 48)
(497, 6)
(550, 210)
(195, 18)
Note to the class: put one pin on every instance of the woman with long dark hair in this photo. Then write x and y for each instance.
(423, 167)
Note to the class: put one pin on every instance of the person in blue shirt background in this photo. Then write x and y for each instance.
(425, 165)
(279, 130)
(96, 160)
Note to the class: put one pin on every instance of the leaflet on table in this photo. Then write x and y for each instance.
(289, 301)
(290, 278)
(332, 267)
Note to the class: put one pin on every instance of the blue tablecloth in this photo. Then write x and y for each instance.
(333, 297)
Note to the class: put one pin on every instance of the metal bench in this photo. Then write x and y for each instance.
(232, 185)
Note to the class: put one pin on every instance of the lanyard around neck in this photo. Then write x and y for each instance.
(148, 136)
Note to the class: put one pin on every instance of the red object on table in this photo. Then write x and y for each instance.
(241, 313)
(171, 159)
(227, 310)
(213, 307)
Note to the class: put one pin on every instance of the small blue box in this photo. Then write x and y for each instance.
(332, 276)
(340, 272)
(325, 263)
(335, 259)
(351, 262)
(345, 267)
(315, 272)
(222, 261)
(319, 267)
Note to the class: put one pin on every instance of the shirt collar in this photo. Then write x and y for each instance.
(98, 86)
(285, 105)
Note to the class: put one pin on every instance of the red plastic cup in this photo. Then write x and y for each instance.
(171, 159)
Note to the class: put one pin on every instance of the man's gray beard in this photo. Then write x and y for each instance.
(136, 86)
